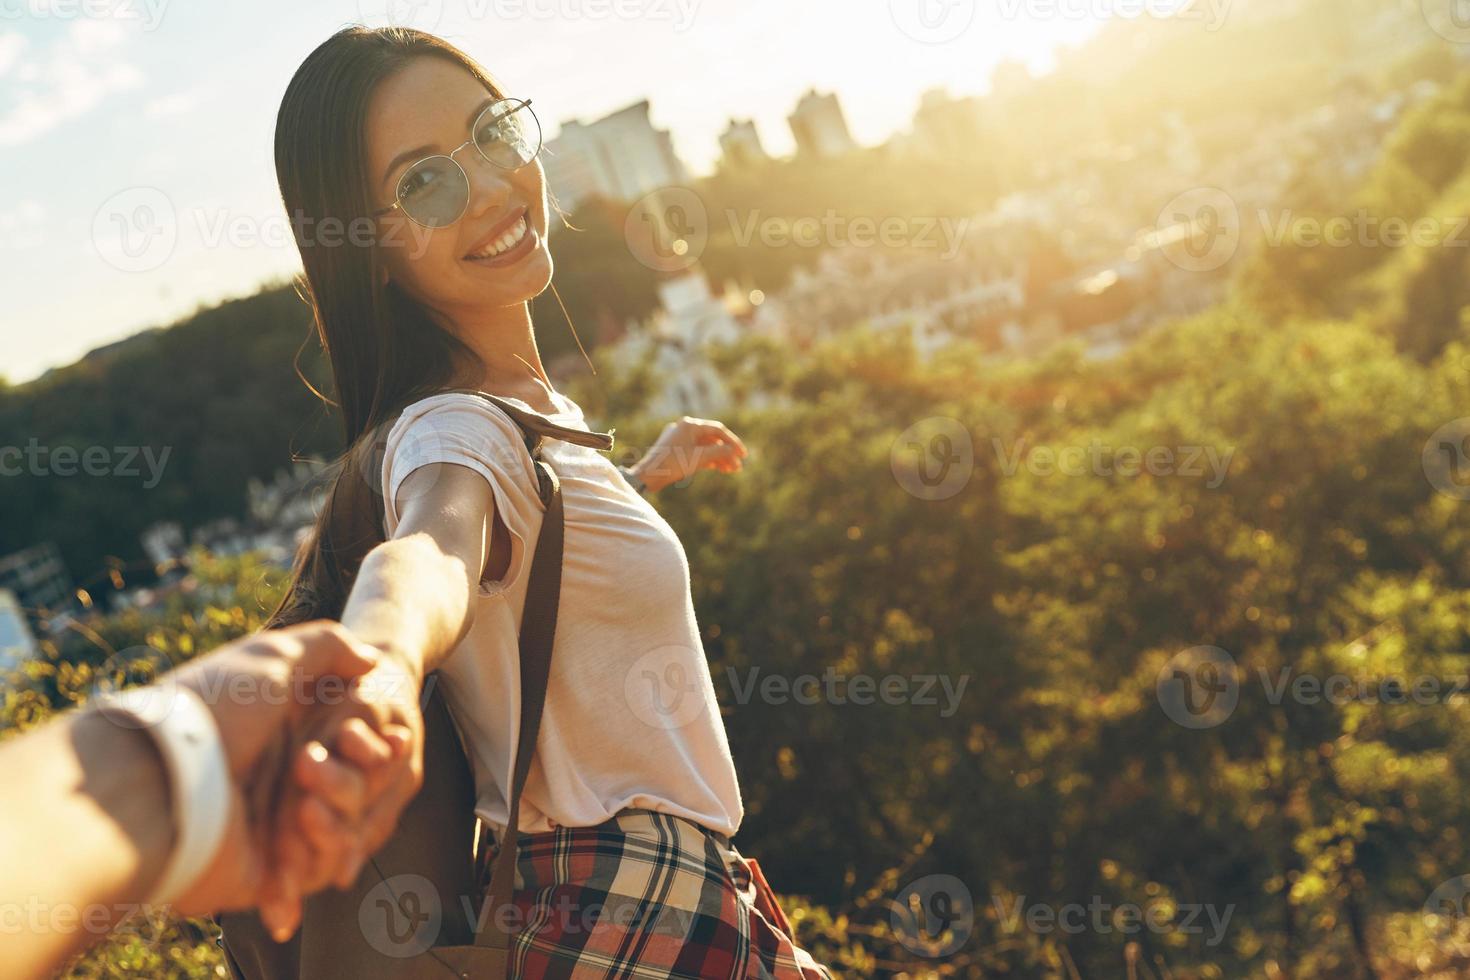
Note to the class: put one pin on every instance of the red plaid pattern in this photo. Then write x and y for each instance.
(645, 894)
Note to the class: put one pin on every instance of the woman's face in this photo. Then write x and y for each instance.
(428, 108)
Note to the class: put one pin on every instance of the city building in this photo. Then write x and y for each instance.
(676, 343)
(38, 579)
(740, 146)
(820, 127)
(620, 156)
(17, 643)
(945, 126)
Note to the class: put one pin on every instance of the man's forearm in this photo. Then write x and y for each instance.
(102, 788)
(411, 600)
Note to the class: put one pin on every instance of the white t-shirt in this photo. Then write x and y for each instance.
(631, 718)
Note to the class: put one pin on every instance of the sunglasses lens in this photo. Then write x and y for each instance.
(508, 134)
(434, 192)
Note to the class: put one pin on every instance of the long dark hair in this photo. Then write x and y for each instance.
(384, 348)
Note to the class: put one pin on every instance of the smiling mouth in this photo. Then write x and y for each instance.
(512, 237)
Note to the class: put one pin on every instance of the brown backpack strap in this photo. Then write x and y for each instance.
(534, 427)
(537, 635)
(538, 630)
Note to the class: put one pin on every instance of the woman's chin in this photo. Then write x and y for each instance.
(518, 281)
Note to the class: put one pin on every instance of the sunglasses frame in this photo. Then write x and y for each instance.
(540, 142)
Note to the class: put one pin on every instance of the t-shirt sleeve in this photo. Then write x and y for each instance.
(467, 431)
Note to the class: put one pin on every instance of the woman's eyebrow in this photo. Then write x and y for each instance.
(422, 151)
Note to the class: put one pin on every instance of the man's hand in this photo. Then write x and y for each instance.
(687, 446)
(310, 850)
(263, 691)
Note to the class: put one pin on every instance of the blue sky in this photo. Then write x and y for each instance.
(163, 110)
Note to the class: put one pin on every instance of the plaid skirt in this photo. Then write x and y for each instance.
(645, 894)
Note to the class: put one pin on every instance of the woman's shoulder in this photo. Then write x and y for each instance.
(458, 410)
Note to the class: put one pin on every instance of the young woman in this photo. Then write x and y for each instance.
(422, 285)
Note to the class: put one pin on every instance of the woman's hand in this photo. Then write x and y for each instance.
(265, 692)
(320, 801)
(687, 446)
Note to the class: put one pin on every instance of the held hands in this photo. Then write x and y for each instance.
(325, 746)
(330, 819)
(687, 446)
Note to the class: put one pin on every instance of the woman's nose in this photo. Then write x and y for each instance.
(489, 184)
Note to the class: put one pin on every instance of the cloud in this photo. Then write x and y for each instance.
(20, 226)
(74, 74)
(172, 105)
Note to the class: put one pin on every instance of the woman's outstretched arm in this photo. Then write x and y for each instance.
(412, 594)
(410, 600)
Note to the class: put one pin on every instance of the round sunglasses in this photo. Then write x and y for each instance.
(435, 191)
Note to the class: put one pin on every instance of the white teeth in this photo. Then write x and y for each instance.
(516, 233)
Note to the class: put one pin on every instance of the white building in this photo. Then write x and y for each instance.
(740, 146)
(677, 341)
(621, 157)
(820, 127)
